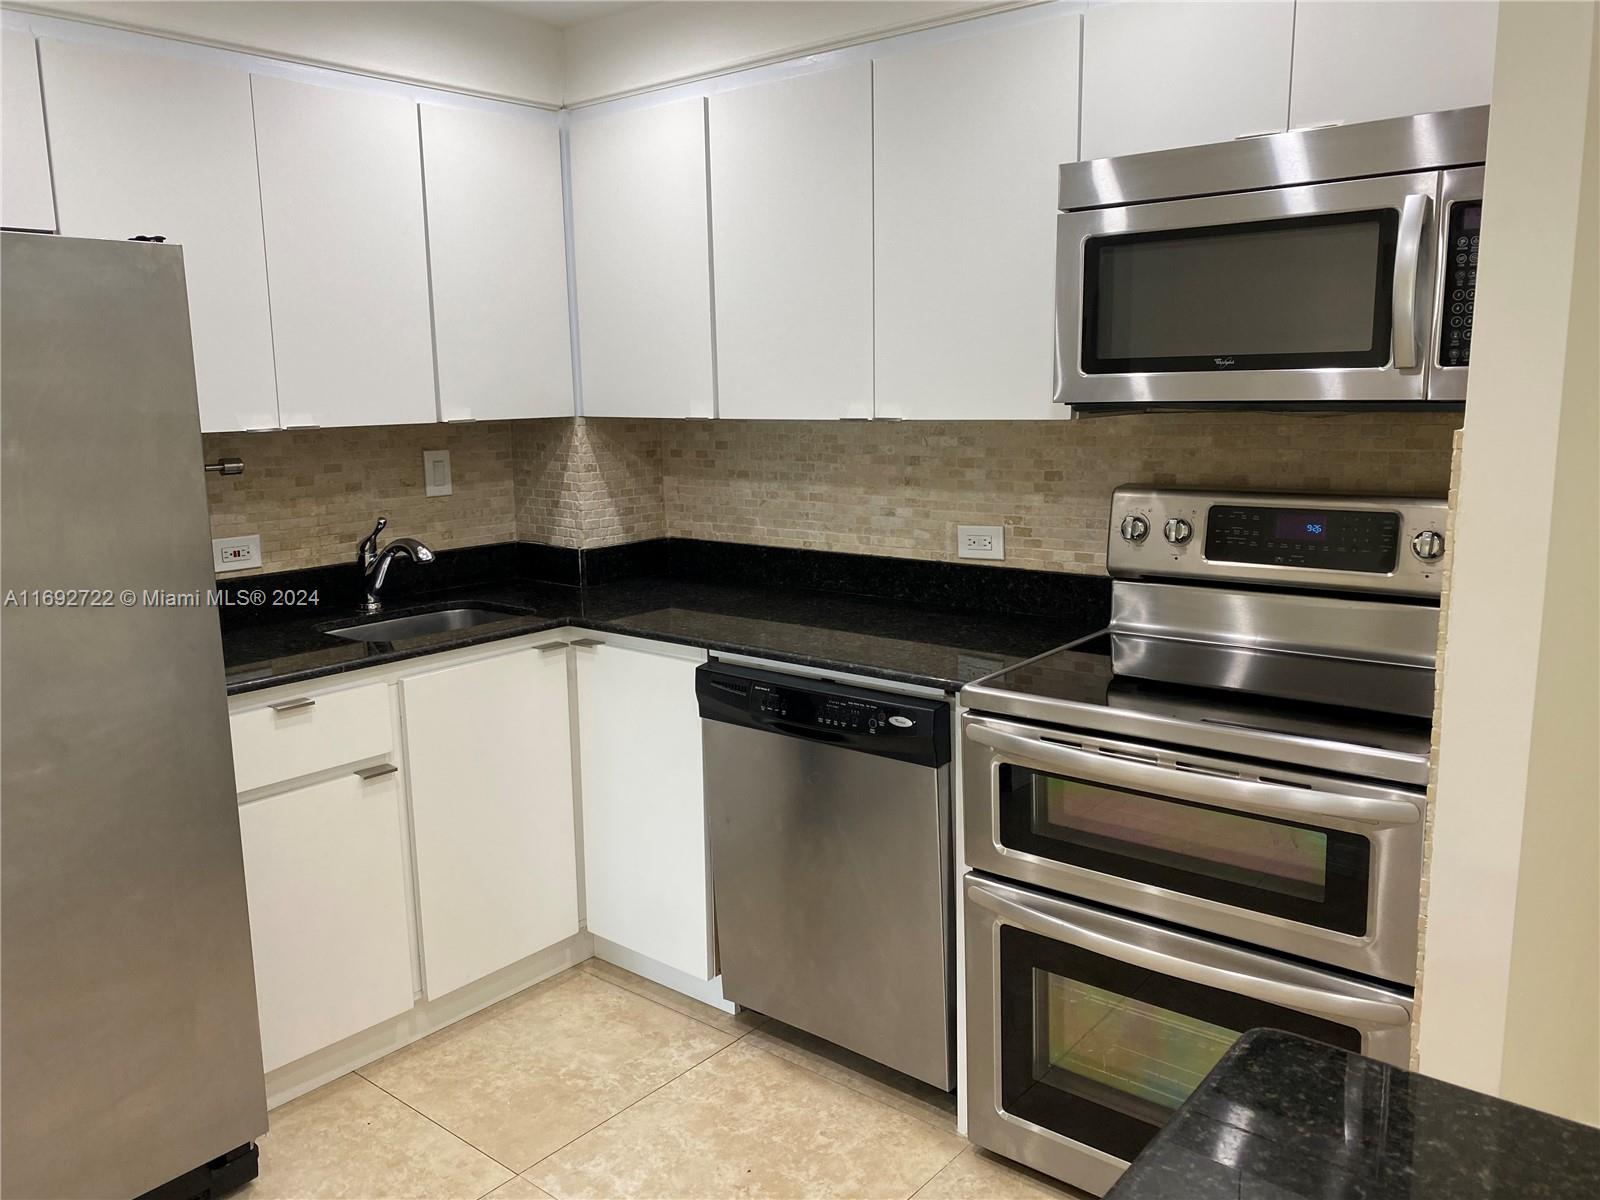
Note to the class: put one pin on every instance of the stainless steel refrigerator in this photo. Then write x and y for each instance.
(130, 1054)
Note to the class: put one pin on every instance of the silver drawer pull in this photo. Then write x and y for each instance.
(549, 646)
(586, 643)
(295, 705)
(377, 771)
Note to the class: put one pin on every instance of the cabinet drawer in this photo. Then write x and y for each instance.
(299, 735)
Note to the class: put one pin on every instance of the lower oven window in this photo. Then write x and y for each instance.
(1102, 1052)
(1298, 872)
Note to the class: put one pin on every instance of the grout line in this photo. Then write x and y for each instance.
(584, 966)
(917, 1191)
(691, 1067)
(444, 1127)
(865, 1095)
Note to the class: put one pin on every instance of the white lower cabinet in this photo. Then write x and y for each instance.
(325, 872)
(647, 886)
(489, 753)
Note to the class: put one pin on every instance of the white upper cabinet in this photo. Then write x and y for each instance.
(1158, 75)
(498, 254)
(1363, 60)
(641, 253)
(968, 136)
(341, 201)
(489, 749)
(791, 212)
(146, 145)
(26, 201)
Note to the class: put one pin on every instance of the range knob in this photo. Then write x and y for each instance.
(1135, 528)
(1428, 545)
(1178, 531)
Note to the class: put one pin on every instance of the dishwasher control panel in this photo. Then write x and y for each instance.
(831, 712)
(839, 714)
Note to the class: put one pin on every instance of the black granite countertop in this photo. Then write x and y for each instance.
(1284, 1118)
(942, 646)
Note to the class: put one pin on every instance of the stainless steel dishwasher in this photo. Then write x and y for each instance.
(829, 813)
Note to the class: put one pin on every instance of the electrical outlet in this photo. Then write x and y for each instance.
(236, 553)
(436, 473)
(980, 541)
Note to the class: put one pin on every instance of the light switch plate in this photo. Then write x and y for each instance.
(236, 553)
(981, 541)
(436, 473)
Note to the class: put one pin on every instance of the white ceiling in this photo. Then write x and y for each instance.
(563, 14)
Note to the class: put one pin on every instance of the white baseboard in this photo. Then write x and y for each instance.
(325, 1065)
(705, 991)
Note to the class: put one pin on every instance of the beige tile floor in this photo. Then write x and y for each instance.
(599, 1084)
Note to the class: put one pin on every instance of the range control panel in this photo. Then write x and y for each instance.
(1357, 539)
(1343, 543)
(1460, 268)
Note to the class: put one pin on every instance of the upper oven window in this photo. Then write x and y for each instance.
(1296, 292)
(1297, 872)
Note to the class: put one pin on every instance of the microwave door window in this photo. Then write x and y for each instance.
(1303, 292)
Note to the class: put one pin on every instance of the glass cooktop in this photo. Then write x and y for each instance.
(1220, 696)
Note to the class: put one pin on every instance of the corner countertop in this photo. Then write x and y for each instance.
(1285, 1118)
(932, 647)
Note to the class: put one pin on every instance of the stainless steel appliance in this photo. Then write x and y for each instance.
(131, 1051)
(1206, 818)
(1328, 267)
(829, 813)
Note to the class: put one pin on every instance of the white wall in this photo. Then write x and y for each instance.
(463, 47)
(671, 43)
(1511, 981)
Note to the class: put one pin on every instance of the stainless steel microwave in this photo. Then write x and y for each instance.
(1329, 268)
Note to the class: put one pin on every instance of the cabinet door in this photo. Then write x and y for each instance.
(642, 257)
(341, 201)
(489, 750)
(1158, 75)
(498, 255)
(968, 137)
(791, 209)
(646, 874)
(1363, 60)
(164, 146)
(26, 200)
(326, 882)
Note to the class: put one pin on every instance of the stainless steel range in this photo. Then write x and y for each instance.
(1206, 818)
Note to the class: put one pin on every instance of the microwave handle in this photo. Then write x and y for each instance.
(1193, 964)
(1243, 795)
(1407, 262)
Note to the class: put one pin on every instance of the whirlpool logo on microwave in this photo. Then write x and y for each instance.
(1223, 362)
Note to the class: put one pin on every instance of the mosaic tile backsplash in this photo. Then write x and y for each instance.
(891, 488)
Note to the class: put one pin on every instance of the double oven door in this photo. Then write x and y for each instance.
(1322, 868)
(1087, 1028)
(1321, 294)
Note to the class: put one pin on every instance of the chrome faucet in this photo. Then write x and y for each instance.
(374, 563)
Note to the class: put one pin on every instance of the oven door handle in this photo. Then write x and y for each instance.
(1243, 795)
(1198, 963)
(1407, 262)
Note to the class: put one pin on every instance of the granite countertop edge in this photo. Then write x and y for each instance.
(572, 615)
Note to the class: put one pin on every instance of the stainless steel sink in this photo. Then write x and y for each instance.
(397, 629)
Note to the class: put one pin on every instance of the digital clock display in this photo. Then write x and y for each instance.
(1301, 527)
